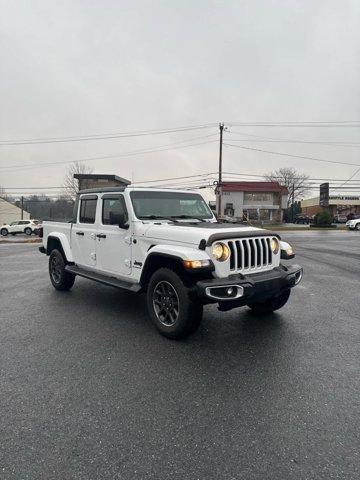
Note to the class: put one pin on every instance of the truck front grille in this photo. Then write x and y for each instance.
(250, 254)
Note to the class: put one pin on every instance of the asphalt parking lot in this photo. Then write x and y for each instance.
(89, 390)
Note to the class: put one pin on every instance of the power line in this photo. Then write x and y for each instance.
(121, 155)
(175, 178)
(104, 136)
(199, 176)
(261, 139)
(291, 155)
(350, 178)
(134, 183)
(344, 123)
(295, 178)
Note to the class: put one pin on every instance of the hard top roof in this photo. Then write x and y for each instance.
(131, 188)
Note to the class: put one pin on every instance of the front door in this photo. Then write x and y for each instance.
(14, 227)
(83, 234)
(113, 244)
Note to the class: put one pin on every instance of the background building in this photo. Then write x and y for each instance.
(337, 204)
(262, 201)
(11, 213)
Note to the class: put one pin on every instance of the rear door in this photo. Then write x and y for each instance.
(23, 224)
(83, 233)
(113, 244)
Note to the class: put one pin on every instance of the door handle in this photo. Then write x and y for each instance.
(80, 233)
(101, 235)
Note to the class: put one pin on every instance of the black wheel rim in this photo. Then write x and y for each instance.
(166, 303)
(55, 269)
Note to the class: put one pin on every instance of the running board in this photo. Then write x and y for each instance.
(106, 280)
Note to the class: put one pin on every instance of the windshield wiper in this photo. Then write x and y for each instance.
(158, 217)
(188, 217)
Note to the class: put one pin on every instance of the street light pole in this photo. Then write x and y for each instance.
(221, 127)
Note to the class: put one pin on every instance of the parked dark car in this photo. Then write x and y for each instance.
(340, 218)
(300, 218)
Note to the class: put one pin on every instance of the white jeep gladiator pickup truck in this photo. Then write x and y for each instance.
(168, 244)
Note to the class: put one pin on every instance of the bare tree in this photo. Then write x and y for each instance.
(71, 186)
(296, 182)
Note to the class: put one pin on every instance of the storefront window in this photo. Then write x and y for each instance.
(257, 197)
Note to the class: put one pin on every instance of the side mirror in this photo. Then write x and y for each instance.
(119, 219)
(123, 221)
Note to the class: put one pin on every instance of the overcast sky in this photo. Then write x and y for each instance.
(71, 68)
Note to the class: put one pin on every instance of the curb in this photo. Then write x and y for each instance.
(21, 242)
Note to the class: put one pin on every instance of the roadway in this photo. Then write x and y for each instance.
(89, 389)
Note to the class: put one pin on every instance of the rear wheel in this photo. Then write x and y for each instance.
(358, 226)
(28, 231)
(268, 306)
(4, 232)
(172, 311)
(60, 278)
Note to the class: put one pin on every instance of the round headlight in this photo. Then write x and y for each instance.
(274, 244)
(220, 251)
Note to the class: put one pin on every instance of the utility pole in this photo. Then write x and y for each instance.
(292, 203)
(22, 208)
(221, 127)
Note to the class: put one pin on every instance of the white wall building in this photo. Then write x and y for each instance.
(262, 201)
(11, 213)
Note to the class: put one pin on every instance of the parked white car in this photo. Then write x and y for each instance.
(168, 244)
(21, 226)
(353, 224)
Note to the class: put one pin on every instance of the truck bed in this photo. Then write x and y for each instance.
(58, 227)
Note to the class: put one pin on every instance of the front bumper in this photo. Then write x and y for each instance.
(237, 290)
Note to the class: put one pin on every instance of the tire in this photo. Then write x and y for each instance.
(271, 305)
(4, 232)
(357, 226)
(28, 231)
(170, 308)
(60, 278)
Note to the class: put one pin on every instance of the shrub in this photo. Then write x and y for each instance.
(323, 218)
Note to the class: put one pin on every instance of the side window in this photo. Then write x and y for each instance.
(24, 222)
(114, 210)
(87, 210)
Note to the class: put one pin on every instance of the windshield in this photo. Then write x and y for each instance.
(169, 205)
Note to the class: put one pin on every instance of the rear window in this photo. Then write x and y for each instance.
(87, 210)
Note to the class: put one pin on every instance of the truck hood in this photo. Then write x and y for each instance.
(193, 233)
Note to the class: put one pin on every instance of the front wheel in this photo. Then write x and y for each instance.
(357, 226)
(268, 306)
(172, 311)
(4, 232)
(60, 278)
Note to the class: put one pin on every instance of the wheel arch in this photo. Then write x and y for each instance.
(61, 243)
(172, 257)
(156, 260)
